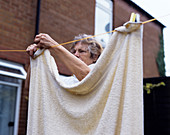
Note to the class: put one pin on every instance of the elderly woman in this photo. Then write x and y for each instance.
(83, 53)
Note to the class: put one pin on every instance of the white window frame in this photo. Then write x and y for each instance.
(17, 107)
(20, 77)
(105, 9)
(12, 65)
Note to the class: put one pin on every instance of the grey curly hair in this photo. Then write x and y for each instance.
(94, 47)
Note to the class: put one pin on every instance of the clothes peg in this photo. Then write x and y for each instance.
(132, 17)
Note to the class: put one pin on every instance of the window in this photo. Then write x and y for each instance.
(11, 75)
(103, 20)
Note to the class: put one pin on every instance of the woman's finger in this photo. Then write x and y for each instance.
(37, 40)
(31, 53)
(31, 49)
(38, 35)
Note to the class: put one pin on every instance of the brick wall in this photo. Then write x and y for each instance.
(64, 19)
(17, 28)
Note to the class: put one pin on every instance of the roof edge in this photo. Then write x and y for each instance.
(133, 4)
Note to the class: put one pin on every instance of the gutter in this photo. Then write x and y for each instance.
(37, 17)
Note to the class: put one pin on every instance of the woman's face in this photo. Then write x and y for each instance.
(81, 51)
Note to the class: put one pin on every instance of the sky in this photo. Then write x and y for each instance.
(160, 9)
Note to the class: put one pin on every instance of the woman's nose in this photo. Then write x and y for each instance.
(77, 54)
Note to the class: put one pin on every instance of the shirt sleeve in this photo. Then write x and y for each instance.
(70, 80)
(91, 66)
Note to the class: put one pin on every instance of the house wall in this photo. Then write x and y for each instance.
(151, 33)
(62, 20)
(17, 28)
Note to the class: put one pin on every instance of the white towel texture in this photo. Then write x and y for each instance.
(108, 101)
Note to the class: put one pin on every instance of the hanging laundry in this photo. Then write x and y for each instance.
(108, 101)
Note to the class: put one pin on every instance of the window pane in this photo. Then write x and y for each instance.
(9, 79)
(7, 109)
(102, 24)
(103, 20)
(104, 3)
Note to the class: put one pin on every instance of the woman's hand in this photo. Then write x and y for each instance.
(41, 41)
(31, 49)
(44, 41)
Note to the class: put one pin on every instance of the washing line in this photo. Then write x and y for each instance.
(145, 22)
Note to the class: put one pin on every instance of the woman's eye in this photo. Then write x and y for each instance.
(81, 51)
(73, 51)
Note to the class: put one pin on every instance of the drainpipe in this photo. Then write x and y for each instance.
(37, 17)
